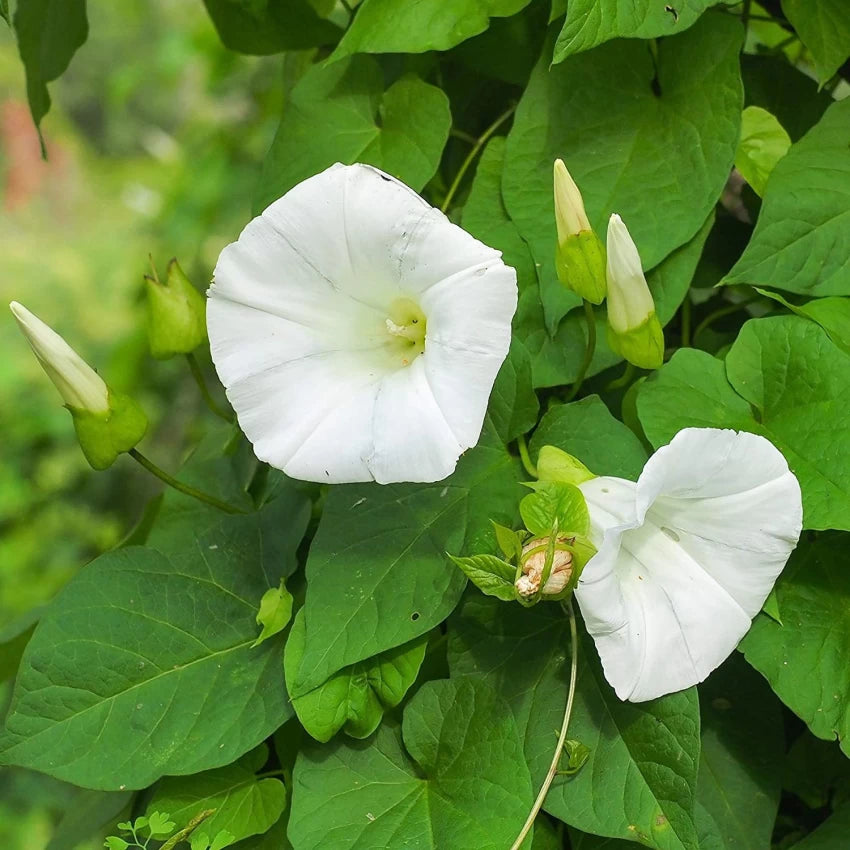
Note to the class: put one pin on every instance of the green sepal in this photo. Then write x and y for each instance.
(510, 541)
(491, 575)
(104, 436)
(642, 345)
(582, 551)
(554, 464)
(554, 504)
(177, 316)
(580, 264)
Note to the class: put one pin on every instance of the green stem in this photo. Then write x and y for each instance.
(525, 457)
(745, 13)
(151, 467)
(720, 313)
(463, 136)
(187, 830)
(590, 316)
(562, 737)
(470, 157)
(686, 322)
(624, 379)
(198, 375)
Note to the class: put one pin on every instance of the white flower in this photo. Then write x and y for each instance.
(79, 385)
(358, 331)
(687, 557)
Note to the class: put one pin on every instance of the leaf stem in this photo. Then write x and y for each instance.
(711, 318)
(562, 737)
(470, 157)
(187, 830)
(198, 375)
(624, 379)
(525, 457)
(589, 351)
(151, 467)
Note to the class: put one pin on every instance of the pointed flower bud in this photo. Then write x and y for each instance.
(106, 423)
(177, 320)
(533, 563)
(634, 331)
(579, 256)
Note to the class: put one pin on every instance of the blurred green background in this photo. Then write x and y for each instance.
(155, 139)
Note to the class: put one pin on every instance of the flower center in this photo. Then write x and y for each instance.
(406, 326)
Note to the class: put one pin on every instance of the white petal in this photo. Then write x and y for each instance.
(684, 566)
(413, 441)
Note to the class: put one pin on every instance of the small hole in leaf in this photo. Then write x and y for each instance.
(414, 616)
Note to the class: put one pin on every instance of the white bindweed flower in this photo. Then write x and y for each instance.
(358, 331)
(686, 557)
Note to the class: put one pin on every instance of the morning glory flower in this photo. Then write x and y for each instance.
(686, 557)
(358, 331)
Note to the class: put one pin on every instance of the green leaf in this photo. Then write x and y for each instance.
(275, 612)
(824, 27)
(805, 658)
(244, 805)
(832, 314)
(378, 574)
(261, 27)
(587, 430)
(491, 575)
(462, 781)
(592, 22)
(513, 402)
(14, 638)
(49, 32)
(341, 113)
(274, 839)
(784, 379)
(798, 244)
(354, 698)
(740, 768)
(87, 813)
(397, 26)
(599, 112)
(763, 143)
(113, 842)
(830, 835)
(159, 825)
(643, 757)
(147, 653)
(817, 772)
(551, 502)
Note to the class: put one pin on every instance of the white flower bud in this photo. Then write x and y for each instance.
(533, 562)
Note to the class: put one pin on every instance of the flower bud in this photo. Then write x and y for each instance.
(106, 423)
(579, 255)
(634, 331)
(533, 561)
(177, 321)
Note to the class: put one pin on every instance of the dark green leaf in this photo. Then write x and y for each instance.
(824, 27)
(513, 402)
(354, 698)
(341, 113)
(830, 835)
(817, 772)
(799, 243)
(805, 658)
(88, 813)
(464, 783)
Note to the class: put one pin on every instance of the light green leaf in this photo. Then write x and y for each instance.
(551, 502)
(832, 314)
(49, 32)
(592, 22)
(513, 402)
(354, 698)
(805, 658)
(598, 111)
(275, 612)
(740, 768)
(491, 575)
(113, 842)
(587, 430)
(378, 574)
(244, 805)
(643, 757)
(160, 825)
(460, 739)
(341, 113)
(397, 26)
(147, 652)
(799, 242)
(763, 143)
(824, 27)
(261, 27)
(784, 379)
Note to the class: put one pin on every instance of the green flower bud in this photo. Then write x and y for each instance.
(177, 318)
(106, 423)
(579, 255)
(634, 331)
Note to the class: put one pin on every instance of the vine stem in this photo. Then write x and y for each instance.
(589, 351)
(470, 157)
(711, 318)
(188, 830)
(525, 457)
(151, 467)
(562, 737)
(623, 380)
(198, 375)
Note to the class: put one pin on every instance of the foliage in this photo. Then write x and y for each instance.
(353, 665)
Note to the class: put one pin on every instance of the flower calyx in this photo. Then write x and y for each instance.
(177, 318)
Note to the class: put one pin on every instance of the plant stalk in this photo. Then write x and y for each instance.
(590, 316)
(198, 375)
